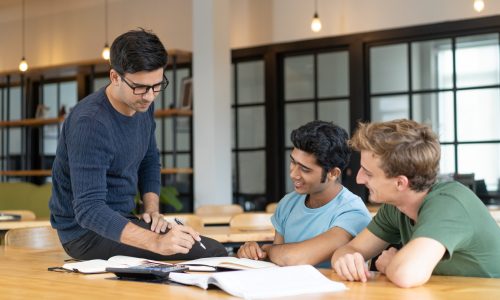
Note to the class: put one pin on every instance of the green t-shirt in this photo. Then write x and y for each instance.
(452, 215)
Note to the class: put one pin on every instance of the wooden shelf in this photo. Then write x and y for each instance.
(173, 112)
(49, 172)
(27, 173)
(177, 171)
(31, 122)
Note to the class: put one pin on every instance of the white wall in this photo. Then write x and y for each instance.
(62, 31)
(292, 18)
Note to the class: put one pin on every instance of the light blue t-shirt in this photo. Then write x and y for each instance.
(296, 222)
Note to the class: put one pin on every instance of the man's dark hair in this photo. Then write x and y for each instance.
(328, 143)
(137, 50)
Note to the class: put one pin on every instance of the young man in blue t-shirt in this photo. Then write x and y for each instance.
(320, 215)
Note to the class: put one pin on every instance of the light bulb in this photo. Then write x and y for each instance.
(105, 52)
(23, 65)
(316, 23)
(478, 5)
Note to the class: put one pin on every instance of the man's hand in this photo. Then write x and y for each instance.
(158, 223)
(385, 259)
(352, 267)
(251, 250)
(179, 239)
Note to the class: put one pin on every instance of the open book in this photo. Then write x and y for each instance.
(264, 283)
(226, 263)
(99, 265)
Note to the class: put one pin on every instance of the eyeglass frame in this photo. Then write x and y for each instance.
(148, 87)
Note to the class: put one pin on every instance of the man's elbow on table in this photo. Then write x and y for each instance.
(407, 275)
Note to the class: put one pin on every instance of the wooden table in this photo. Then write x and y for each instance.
(232, 237)
(24, 275)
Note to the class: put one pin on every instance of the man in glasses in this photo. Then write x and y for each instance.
(107, 150)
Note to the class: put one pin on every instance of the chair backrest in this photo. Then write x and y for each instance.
(26, 215)
(251, 221)
(271, 207)
(467, 180)
(223, 209)
(39, 238)
(186, 219)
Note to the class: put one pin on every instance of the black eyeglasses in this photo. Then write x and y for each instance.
(140, 89)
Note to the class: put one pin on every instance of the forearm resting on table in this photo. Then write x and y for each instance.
(136, 236)
(294, 254)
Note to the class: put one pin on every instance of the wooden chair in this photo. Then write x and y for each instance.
(251, 221)
(26, 215)
(36, 238)
(186, 219)
(223, 209)
(271, 207)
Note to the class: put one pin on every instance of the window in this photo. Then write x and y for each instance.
(452, 84)
(316, 87)
(248, 111)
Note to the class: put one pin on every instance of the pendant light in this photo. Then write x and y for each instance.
(23, 65)
(105, 50)
(478, 5)
(316, 23)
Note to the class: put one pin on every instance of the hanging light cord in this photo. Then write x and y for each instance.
(106, 22)
(315, 7)
(22, 26)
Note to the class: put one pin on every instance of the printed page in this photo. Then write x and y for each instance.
(99, 265)
(230, 262)
(275, 282)
(264, 283)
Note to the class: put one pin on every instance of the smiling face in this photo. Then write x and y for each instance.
(382, 189)
(306, 174)
(123, 98)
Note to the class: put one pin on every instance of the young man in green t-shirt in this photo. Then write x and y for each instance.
(444, 228)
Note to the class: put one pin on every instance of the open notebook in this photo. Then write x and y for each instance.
(264, 283)
(99, 265)
(226, 263)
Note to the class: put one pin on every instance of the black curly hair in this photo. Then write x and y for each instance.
(327, 141)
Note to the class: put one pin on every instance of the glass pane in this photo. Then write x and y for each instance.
(14, 140)
(435, 109)
(299, 77)
(432, 65)
(333, 74)
(389, 108)
(251, 127)
(181, 73)
(252, 167)
(233, 94)
(69, 97)
(15, 103)
(487, 167)
(250, 82)
(288, 181)
(335, 111)
(15, 114)
(182, 161)
(183, 134)
(50, 137)
(50, 100)
(447, 162)
(100, 83)
(477, 60)
(297, 115)
(477, 115)
(389, 68)
(233, 125)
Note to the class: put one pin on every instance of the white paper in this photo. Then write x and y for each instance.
(265, 283)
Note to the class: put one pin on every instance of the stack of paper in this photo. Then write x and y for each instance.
(264, 283)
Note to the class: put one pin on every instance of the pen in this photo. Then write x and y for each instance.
(180, 223)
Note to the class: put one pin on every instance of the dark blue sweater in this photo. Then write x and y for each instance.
(102, 158)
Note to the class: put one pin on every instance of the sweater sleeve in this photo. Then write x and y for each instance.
(149, 169)
(90, 155)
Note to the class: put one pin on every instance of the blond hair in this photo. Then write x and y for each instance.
(404, 147)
